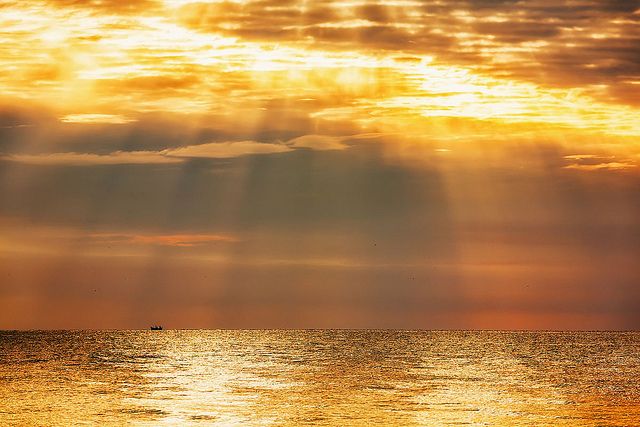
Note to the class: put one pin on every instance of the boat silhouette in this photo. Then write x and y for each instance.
(156, 328)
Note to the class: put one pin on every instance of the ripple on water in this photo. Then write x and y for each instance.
(319, 378)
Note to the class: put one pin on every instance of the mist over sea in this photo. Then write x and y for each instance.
(319, 377)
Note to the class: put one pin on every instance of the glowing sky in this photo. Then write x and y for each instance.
(276, 163)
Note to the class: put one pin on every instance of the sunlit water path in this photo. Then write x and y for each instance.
(319, 378)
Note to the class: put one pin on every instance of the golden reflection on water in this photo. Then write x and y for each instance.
(319, 378)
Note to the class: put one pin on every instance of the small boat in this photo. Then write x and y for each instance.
(156, 328)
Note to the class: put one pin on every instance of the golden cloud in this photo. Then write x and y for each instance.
(318, 142)
(212, 150)
(79, 159)
(225, 150)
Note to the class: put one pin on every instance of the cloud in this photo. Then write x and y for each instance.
(155, 83)
(596, 162)
(176, 240)
(212, 150)
(79, 159)
(116, 7)
(318, 142)
(602, 166)
(225, 150)
(276, 65)
(96, 118)
(570, 44)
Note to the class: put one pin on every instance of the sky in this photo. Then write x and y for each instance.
(320, 164)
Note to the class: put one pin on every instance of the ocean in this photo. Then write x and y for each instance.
(319, 377)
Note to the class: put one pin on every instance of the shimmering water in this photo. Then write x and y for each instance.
(319, 378)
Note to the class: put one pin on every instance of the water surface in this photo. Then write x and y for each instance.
(332, 377)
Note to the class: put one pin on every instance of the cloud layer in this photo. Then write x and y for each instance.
(212, 150)
(567, 44)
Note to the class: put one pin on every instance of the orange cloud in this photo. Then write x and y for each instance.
(177, 240)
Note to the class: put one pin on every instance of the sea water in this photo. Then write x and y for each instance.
(319, 377)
